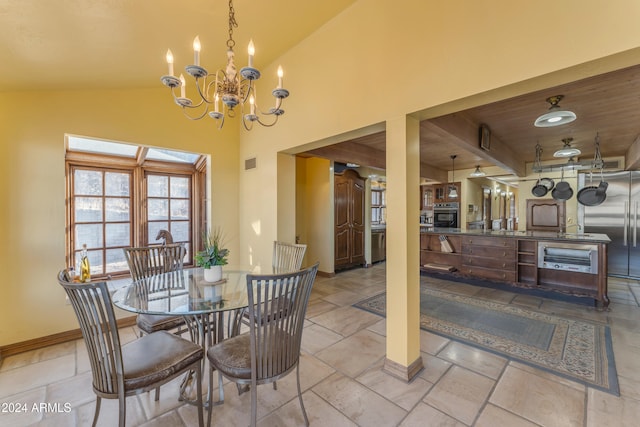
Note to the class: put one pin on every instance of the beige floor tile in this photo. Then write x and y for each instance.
(545, 402)
(18, 409)
(492, 416)
(109, 413)
(39, 355)
(354, 354)
(607, 410)
(36, 375)
(474, 359)
(316, 338)
(319, 412)
(432, 343)
(361, 405)
(460, 394)
(379, 328)
(434, 368)
(318, 307)
(426, 416)
(403, 394)
(548, 375)
(76, 390)
(346, 320)
(342, 298)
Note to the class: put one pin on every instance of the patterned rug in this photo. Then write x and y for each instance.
(575, 349)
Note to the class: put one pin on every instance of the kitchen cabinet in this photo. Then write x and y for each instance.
(349, 195)
(513, 258)
(489, 258)
(426, 197)
(441, 192)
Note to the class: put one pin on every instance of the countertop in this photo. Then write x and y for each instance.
(542, 235)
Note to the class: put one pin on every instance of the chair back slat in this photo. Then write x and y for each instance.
(277, 306)
(147, 261)
(91, 303)
(287, 257)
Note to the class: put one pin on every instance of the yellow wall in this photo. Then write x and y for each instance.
(32, 218)
(375, 61)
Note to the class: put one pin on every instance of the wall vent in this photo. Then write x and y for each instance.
(250, 163)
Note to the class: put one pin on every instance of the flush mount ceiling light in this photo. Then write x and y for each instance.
(477, 172)
(556, 115)
(567, 150)
(233, 88)
(453, 192)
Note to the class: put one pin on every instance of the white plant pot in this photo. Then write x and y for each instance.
(213, 274)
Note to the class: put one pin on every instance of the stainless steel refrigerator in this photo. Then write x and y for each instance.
(617, 217)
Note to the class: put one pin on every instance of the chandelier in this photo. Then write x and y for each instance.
(228, 86)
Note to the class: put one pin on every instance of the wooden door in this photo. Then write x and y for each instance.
(349, 193)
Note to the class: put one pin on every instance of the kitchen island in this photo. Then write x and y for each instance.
(570, 263)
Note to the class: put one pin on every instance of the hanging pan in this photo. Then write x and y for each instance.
(541, 188)
(593, 195)
(563, 190)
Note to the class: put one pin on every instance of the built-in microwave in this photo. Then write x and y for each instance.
(445, 215)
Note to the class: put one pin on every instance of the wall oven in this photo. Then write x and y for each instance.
(445, 215)
(582, 258)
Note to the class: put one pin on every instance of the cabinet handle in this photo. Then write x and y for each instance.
(504, 264)
(470, 242)
(504, 254)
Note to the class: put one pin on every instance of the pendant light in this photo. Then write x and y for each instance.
(477, 172)
(453, 192)
(567, 150)
(556, 115)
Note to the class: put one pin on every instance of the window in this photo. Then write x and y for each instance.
(122, 195)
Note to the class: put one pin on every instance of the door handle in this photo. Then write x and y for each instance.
(635, 223)
(626, 224)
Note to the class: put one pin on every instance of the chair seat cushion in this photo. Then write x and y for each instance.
(232, 357)
(150, 323)
(157, 357)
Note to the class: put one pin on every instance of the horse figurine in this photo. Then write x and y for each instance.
(166, 236)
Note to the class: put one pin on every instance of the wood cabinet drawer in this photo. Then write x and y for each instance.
(486, 273)
(491, 263)
(508, 254)
(489, 241)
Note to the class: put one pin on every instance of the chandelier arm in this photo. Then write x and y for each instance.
(204, 97)
(190, 117)
(268, 125)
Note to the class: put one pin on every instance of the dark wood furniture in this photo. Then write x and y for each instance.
(546, 215)
(349, 193)
(441, 192)
(511, 257)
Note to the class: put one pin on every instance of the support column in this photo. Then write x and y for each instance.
(403, 248)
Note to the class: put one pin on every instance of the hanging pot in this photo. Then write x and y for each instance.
(563, 190)
(539, 190)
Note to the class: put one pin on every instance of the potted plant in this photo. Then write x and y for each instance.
(214, 255)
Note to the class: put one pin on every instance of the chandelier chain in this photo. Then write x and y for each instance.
(232, 23)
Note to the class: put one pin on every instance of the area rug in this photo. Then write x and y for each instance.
(575, 349)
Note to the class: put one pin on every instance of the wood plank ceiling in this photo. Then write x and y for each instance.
(607, 105)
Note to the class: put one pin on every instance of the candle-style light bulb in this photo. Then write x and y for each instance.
(216, 103)
(252, 51)
(170, 61)
(252, 101)
(182, 86)
(196, 50)
(280, 75)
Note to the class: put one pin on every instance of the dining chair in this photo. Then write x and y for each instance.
(146, 261)
(271, 348)
(136, 367)
(287, 256)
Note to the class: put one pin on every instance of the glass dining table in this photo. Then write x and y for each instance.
(212, 311)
